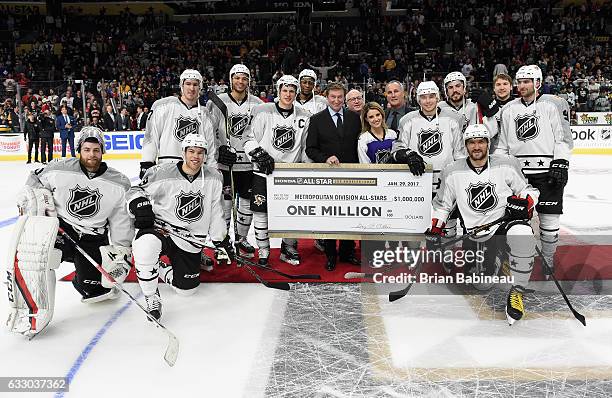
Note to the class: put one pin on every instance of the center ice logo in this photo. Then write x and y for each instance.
(83, 202)
(189, 206)
(482, 196)
(527, 127)
(283, 138)
(430, 142)
(185, 125)
(238, 123)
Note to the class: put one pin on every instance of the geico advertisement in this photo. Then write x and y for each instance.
(123, 141)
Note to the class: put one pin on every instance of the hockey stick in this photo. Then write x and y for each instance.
(172, 349)
(186, 236)
(288, 276)
(577, 315)
(393, 296)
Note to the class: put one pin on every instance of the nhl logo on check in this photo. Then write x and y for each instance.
(283, 138)
(482, 196)
(185, 125)
(430, 142)
(189, 206)
(527, 127)
(238, 123)
(83, 202)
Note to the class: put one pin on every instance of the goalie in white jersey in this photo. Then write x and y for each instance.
(485, 189)
(535, 129)
(86, 198)
(455, 89)
(278, 134)
(171, 119)
(184, 197)
(231, 116)
(306, 97)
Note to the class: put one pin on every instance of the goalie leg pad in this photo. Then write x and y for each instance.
(30, 273)
(36, 202)
(117, 261)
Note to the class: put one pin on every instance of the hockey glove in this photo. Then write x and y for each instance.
(117, 261)
(518, 208)
(143, 212)
(557, 172)
(227, 155)
(487, 104)
(144, 166)
(264, 161)
(412, 159)
(226, 246)
(433, 235)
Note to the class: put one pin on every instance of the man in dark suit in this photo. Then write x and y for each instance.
(65, 125)
(141, 118)
(123, 120)
(110, 119)
(332, 138)
(396, 97)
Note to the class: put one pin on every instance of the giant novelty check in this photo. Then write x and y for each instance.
(347, 201)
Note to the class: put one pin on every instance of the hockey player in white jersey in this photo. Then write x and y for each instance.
(171, 119)
(306, 98)
(86, 198)
(231, 116)
(278, 134)
(533, 129)
(455, 89)
(486, 188)
(185, 196)
(490, 107)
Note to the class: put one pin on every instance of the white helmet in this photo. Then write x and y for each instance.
(91, 132)
(308, 73)
(190, 74)
(476, 131)
(287, 80)
(530, 72)
(239, 68)
(454, 76)
(428, 87)
(194, 140)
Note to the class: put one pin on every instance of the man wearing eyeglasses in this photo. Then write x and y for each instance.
(354, 101)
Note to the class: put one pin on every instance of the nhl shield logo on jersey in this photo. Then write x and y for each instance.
(238, 123)
(383, 156)
(283, 138)
(83, 202)
(189, 206)
(430, 142)
(527, 127)
(482, 196)
(185, 125)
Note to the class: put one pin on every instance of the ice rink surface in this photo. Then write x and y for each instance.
(327, 340)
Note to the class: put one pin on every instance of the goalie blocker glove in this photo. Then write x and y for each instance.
(143, 212)
(226, 246)
(227, 155)
(412, 159)
(518, 208)
(264, 161)
(144, 166)
(557, 172)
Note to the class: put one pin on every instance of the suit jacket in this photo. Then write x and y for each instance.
(109, 123)
(324, 139)
(123, 123)
(141, 121)
(60, 123)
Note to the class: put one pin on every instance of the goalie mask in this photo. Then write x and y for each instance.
(91, 134)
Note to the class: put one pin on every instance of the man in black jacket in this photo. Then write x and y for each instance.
(332, 139)
(31, 136)
(47, 124)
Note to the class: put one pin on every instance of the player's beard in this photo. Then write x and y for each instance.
(456, 98)
(478, 154)
(91, 164)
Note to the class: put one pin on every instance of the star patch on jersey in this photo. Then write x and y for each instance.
(83, 202)
(283, 138)
(185, 125)
(527, 127)
(430, 142)
(189, 206)
(482, 196)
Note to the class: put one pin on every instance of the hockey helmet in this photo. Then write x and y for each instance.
(190, 74)
(308, 73)
(91, 134)
(194, 140)
(454, 76)
(476, 131)
(530, 72)
(287, 80)
(239, 68)
(428, 87)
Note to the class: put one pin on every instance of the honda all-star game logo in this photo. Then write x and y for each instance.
(527, 127)
(283, 138)
(238, 123)
(430, 142)
(189, 206)
(83, 202)
(482, 196)
(185, 125)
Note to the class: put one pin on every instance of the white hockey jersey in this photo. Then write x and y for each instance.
(371, 149)
(91, 206)
(481, 197)
(192, 203)
(493, 123)
(170, 120)
(468, 113)
(534, 133)
(438, 140)
(238, 120)
(315, 104)
(284, 138)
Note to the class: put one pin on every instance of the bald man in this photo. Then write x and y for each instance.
(354, 101)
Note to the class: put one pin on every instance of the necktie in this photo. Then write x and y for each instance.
(394, 121)
(66, 118)
(339, 121)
